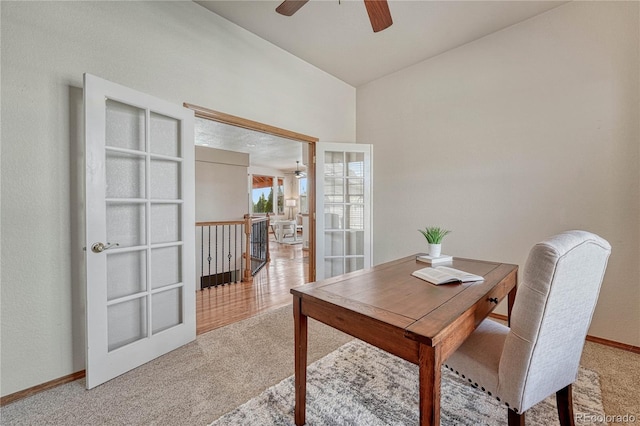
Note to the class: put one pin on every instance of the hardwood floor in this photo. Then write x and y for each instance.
(223, 305)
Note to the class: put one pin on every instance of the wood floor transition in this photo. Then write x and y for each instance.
(223, 305)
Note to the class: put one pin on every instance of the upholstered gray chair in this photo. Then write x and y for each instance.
(540, 353)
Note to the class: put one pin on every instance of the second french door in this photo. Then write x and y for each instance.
(343, 208)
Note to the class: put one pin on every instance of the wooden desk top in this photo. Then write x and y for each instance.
(390, 294)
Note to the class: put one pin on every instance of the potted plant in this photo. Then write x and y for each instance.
(434, 236)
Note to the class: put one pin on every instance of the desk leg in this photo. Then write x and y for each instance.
(429, 363)
(511, 298)
(300, 342)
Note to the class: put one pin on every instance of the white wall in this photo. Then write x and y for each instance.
(514, 137)
(221, 195)
(221, 184)
(177, 51)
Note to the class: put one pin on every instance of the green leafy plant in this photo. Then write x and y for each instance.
(434, 234)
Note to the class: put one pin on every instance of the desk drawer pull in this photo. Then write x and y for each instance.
(493, 300)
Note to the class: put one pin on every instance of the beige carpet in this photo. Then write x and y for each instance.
(190, 386)
(225, 368)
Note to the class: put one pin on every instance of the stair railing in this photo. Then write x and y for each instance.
(231, 251)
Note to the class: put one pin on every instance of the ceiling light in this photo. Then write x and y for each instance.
(298, 173)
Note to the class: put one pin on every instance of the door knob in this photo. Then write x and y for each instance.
(100, 247)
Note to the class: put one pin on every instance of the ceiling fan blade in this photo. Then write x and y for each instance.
(379, 14)
(289, 7)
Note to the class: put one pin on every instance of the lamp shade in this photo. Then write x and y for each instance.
(291, 202)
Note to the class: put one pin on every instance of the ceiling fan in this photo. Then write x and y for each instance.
(378, 11)
(299, 173)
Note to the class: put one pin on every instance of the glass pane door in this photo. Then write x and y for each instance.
(344, 206)
(143, 210)
(140, 214)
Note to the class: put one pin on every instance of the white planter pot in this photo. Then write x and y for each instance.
(435, 250)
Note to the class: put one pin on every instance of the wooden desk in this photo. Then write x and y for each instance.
(408, 317)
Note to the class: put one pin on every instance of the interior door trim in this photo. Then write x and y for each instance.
(221, 117)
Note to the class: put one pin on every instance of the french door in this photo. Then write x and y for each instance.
(343, 208)
(140, 213)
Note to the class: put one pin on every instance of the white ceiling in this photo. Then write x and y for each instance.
(264, 150)
(336, 36)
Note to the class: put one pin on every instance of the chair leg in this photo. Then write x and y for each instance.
(515, 419)
(564, 400)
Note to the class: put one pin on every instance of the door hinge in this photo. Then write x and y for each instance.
(314, 159)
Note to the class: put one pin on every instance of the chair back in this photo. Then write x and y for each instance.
(551, 315)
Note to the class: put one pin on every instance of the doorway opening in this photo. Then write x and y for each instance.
(291, 264)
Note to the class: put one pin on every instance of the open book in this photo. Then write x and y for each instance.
(444, 275)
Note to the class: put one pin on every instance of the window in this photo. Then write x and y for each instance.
(262, 194)
(302, 194)
(280, 196)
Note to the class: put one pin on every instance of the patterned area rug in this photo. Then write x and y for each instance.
(359, 384)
